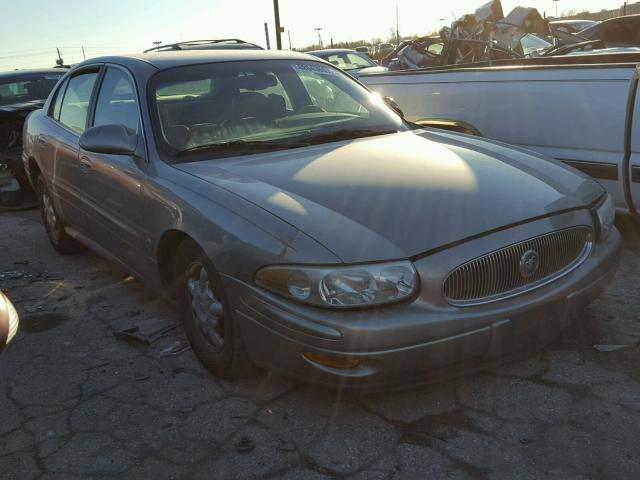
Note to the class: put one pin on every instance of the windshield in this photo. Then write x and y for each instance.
(27, 88)
(349, 60)
(226, 109)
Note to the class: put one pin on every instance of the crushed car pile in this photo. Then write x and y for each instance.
(488, 35)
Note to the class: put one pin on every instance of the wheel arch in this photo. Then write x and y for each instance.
(34, 171)
(168, 246)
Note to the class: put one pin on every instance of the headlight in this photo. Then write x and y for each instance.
(606, 216)
(341, 287)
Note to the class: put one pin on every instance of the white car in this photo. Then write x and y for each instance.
(581, 110)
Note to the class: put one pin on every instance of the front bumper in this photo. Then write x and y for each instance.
(419, 341)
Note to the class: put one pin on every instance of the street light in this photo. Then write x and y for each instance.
(319, 29)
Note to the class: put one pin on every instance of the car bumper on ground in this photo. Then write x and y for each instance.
(8, 321)
(413, 342)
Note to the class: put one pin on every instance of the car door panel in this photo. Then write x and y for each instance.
(634, 163)
(112, 183)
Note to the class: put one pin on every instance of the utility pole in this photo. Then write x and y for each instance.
(397, 26)
(157, 43)
(289, 36)
(556, 2)
(266, 34)
(279, 29)
(319, 29)
(624, 9)
(84, 57)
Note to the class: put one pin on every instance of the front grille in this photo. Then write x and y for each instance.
(500, 274)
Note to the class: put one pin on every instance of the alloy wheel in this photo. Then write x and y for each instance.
(206, 307)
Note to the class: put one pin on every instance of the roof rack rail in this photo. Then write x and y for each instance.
(195, 43)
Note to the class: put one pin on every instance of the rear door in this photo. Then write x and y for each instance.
(70, 114)
(113, 183)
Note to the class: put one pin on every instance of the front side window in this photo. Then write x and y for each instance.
(261, 105)
(75, 104)
(117, 101)
(27, 88)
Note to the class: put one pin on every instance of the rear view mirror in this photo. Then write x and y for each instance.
(109, 139)
(391, 103)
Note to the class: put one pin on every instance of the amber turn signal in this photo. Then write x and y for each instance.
(333, 362)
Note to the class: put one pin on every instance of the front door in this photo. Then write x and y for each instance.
(113, 183)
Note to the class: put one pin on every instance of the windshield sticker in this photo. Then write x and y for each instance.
(318, 68)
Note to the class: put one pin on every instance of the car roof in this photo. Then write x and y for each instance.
(33, 71)
(163, 60)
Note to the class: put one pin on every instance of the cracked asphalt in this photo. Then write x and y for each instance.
(75, 402)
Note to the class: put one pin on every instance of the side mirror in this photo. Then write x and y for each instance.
(109, 139)
(391, 103)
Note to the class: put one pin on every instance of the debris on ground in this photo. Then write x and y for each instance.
(147, 332)
(245, 445)
(609, 348)
(176, 348)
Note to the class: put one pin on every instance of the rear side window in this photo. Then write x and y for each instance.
(55, 109)
(75, 104)
(117, 101)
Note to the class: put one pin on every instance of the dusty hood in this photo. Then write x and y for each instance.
(367, 70)
(399, 195)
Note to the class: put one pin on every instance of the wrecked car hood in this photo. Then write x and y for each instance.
(24, 107)
(401, 194)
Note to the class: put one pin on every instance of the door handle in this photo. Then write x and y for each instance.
(85, 164)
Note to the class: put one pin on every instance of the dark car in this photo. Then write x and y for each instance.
(572, 26)
(219, 44)
(616, 32)
(302, 223)
(21, 92)
(8, 321)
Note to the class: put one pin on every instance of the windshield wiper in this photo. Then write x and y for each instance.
(244, 146)
(346, 135)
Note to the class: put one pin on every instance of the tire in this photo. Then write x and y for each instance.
(215, 338)
(53, 224)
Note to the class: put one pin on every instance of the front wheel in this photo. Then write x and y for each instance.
(206, 314)
(53, 224)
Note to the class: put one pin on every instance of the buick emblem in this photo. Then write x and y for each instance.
(529, 263)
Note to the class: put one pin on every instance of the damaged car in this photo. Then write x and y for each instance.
(336, 243)
(21, 92)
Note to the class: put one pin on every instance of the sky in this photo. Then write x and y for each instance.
(32, 29)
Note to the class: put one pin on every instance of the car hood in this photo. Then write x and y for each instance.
(399, 195)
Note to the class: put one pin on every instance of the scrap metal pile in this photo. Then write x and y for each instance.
(14, 186)
(485, 35)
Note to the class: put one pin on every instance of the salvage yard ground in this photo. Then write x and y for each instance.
(77, 402)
